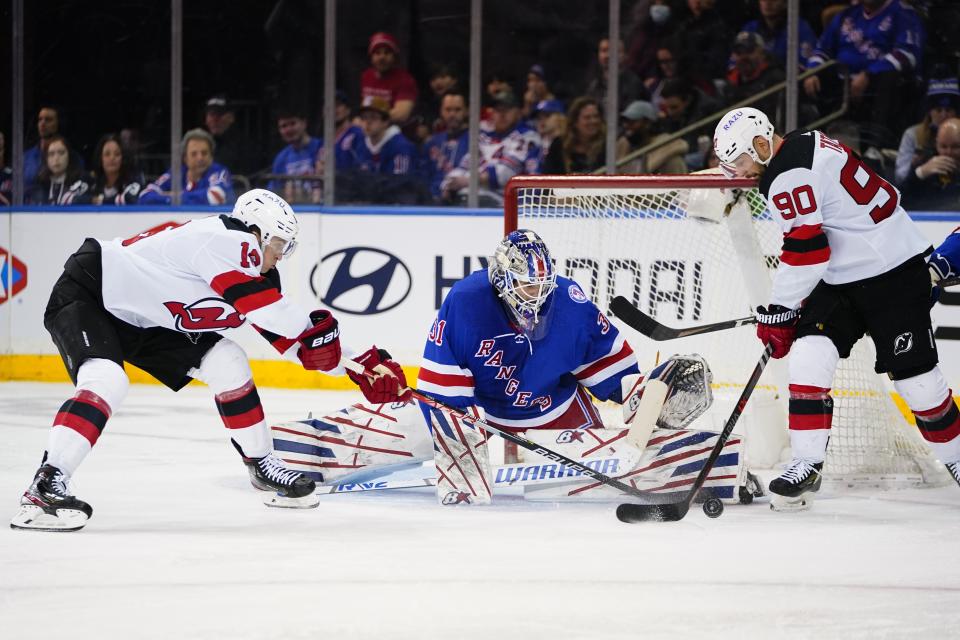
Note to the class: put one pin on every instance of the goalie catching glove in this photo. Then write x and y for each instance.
(389, 383)
(777, 326)
(320, 344)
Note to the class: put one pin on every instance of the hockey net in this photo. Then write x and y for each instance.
(695, 249)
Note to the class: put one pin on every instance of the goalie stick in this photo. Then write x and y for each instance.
(676, 509)
(518, 440)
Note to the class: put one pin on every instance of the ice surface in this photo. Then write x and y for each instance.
(181, 547)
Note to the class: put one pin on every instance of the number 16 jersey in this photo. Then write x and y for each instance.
(841, 222)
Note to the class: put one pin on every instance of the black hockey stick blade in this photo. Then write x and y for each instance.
(675, 506)
(662, 512)
(638, 320)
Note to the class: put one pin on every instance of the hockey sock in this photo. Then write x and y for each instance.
(101, 388)
(76, 428)
(938, 418)
(242, 415)
(811, 415)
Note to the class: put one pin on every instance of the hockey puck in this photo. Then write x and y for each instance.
(713, 508)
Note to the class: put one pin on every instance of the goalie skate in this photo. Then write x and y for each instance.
(795, 488)
(48, 506)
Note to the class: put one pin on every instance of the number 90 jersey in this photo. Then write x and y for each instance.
(841, 222)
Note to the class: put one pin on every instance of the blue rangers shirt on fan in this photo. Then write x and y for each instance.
(475, 355)
(393, 155)
(293, 161)
(215, 187)
(887, 39)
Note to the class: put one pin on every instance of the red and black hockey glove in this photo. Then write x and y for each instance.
(777, 325)
(389, 385)
(320, 344)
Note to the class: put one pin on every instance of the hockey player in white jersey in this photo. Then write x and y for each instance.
(852, 263)
(158, 300)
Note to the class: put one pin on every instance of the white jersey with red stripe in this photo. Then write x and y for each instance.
(474, 355)
(203, 275)
(841, 222)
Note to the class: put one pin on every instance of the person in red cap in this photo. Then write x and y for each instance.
(384, 79)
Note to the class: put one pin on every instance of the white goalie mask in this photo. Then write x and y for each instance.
(734, 136)
(524, 277)
(272, 216)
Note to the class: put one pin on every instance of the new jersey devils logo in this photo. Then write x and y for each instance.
(902, 343)
(209, 314)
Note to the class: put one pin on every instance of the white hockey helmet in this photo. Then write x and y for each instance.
(272, 217)
(734, 136)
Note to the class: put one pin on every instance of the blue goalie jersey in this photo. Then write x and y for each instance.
(475, 356)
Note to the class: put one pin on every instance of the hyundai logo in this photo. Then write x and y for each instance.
(361, 280)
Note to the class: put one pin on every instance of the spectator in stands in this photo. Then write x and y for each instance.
(655, 24)
(444, 151)
(630, 87)
(443, 79)
(508, 147)
(918, 144)
(754, 70)
(881, 43)
(298, 158)
(386, 80)
(537, 90)
(772, 28)
(115, 180)
(384, 149)
(234, 150)
(582, 149)
(61, 180)
(348, 136)
(550, 118)
(705, 37)
(203, 181)
(639, 130)
(496, 83)
(682, 105)
(6, 175)
(673, 64)
(935, 184)
(48, 125)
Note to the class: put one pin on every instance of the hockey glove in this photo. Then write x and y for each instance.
(320, 344)
(940, 269)
(777, 326)
(389, 385)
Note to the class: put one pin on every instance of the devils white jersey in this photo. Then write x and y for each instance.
(203, 275)
(841, 221)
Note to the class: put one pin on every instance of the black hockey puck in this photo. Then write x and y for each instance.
(713, 508)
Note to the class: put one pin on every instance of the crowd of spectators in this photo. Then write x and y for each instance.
(680, 61)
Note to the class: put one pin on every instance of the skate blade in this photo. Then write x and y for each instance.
(283, 502)
(783, 503)
(33, 518)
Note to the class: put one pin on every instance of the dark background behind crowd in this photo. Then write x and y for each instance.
(103, 68)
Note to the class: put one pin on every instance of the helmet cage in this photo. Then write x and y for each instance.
(523, 274)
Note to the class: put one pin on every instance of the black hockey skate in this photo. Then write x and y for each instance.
(794, 489)
(954, 469)
(286, 487)
(48, 506)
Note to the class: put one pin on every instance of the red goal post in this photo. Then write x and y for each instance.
(700, 248)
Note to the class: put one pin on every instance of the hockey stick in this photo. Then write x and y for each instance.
(675, 510)
(518, 440)
(636, 319)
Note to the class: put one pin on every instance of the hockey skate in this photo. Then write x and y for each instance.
(48, 506)
(954, 469)
(282, 487)
(794, 489)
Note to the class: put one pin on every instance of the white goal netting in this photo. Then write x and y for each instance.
(690, 250)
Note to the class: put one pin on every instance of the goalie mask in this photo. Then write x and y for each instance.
(272, 216)
(734, 136)
(523, 275)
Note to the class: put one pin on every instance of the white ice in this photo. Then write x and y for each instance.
(181, 547)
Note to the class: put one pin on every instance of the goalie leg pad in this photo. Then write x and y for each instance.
(462, 460)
